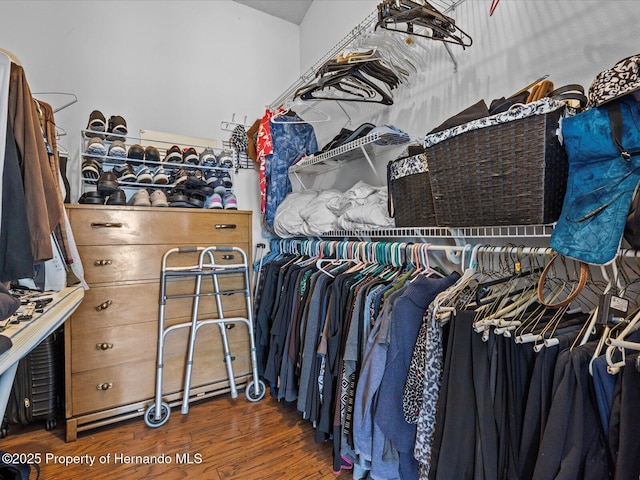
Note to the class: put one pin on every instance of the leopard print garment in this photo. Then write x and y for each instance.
(432, 380)
(413, 387)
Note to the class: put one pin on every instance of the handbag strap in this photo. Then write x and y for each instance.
(615, 120)
(572, 91)
(573, 294)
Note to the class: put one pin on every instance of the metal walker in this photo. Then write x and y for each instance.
(158, 412)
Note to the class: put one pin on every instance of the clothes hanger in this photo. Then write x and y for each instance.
(12, 56)
(353, 86)
(432, 23)
(288, 106)
(66, 94)
(352, 82)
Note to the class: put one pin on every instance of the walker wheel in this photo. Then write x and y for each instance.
(150, 415)
(252, 394)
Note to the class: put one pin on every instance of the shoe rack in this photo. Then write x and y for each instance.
(108, 162)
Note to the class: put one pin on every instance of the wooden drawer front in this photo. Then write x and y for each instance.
(118, 385)
(115, 305)
(117, 226)
(112, 386)
(109, 264)
(137, 343)
(102, 347)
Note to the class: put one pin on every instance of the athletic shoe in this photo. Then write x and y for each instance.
(143, 174)
(160, 176)
(124, 173)
(117, 150)
(174, 155)
(97, 124)
(210, 176)
(140, 199)
(226, 179)
(208, 158)
(214, 201)
(96, 147)
(158, 199)
(178, 176)
(117, 127)
(107, 183)
(189, 155)
(218, 186)
(91, 168)
(118, 197)
(225, 159)
(135, 155)
(230, 202)
(151, 154)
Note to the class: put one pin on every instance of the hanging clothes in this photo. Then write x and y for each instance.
(43, 211)
(292, 139)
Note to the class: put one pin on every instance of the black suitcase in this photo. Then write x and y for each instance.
(37, 393)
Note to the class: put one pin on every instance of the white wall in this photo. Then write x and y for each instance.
(170, 66)
(569, 40)
(184, 66)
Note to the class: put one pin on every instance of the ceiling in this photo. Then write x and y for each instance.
(290, 10)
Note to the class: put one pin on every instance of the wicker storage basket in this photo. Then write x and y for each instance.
(512, 173)
(410, 198)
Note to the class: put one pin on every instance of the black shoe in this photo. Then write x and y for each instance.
(117, 126)
(97, 124)
(189, 155)
(151, 154)
(107, 183)
(117, 197)
(135, 155)
(91, 198)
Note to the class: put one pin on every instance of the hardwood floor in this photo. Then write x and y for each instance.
(219, 439)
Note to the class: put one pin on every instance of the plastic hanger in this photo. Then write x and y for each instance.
(430, 22)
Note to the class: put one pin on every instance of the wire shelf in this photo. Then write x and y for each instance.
(511, 231)
(373, 143)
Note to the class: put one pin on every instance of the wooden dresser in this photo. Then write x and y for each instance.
(111, 340)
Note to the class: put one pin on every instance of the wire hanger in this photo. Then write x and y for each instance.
(68, 104)
(308, 107)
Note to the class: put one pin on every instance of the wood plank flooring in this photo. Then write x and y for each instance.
(219, 439)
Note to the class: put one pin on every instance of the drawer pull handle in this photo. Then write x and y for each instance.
(104, 346)
(220, 226)
(104, 386)
(229, 326)
(102, 263)
(228, 257)
(106, 225)
(104, 306)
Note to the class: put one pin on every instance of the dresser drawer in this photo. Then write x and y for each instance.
(146, 226)
(112, 386)
(137, 343)
(117, 305)
(122, 263)
(118, 385)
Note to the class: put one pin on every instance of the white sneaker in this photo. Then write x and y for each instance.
(230, 202)
(160, 176)
(140, 199)
(158, 199)
(214, 201)
(143, 174)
